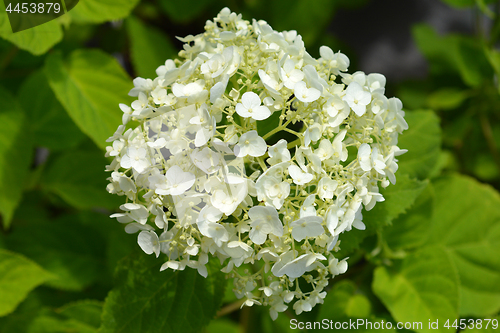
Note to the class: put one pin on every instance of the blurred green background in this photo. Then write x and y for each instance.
(60, 85)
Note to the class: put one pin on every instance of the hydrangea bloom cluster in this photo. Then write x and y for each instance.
(202, 179)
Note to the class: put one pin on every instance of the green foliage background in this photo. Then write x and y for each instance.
(431, 251)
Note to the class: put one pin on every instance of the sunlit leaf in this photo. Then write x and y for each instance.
(398, 198)
(18, 276)
(423, 141)
(149, 47)
(423, 287)
(447, 98)
(79, 178)
(15, 155)
(98, 11)
(410, 230)
(466, 222)
(50, 124)
(146, 300)
(90, 85)
(73, 253)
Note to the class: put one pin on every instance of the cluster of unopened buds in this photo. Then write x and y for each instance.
(249, 150)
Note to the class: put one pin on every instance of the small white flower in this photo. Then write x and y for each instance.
(307, 208)
(217, 90)
(278, 153)
(364, 153)
(337, 61)
(271, 84)
(250, 106)
(178, 181)
(194, 92)
(337, 267)
(357, 98)
(299, 177)
(208, 226)
(289, 74)
(251, 144)
(141, 106)
(312, 133)
(326, 188)
(305, 94)
(207, 160)
(272, 190)
(325, 149)
(309, 226)
(265, 221)
(369, 159)
(376, 82)
(134, 212)
(149, 242)
(136, 158)
(297, 267)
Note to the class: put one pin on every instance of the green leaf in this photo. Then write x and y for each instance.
(423, 141)
(414, 94)
(18, 276)
(344, 301)
(19, 320)
(15, 155)
(440, 51)
(52, 324)
(99, 11)
(423, 287)
(447, 98)
(223, 326)
(398, 198)
(36, 40)
(79, 178)
(467, 3)
(410, 230)
(149, 47)
(77, 317)
(90, 85)
(453, 53)
(493, 57)
(466, 222)
(460, 3)
(146, 300)
(50, 124)
(485, 168)
(347, 308)
(72, 252)
(87, 311)
(118, 243)
(472, 62)
(183, 11)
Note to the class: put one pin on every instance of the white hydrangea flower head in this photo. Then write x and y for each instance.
(232, 103)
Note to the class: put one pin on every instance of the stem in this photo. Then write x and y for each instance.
(8, 58)
(488, 135)
(230, 308)
(277, 129)
(262, 164)
(293, 144)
